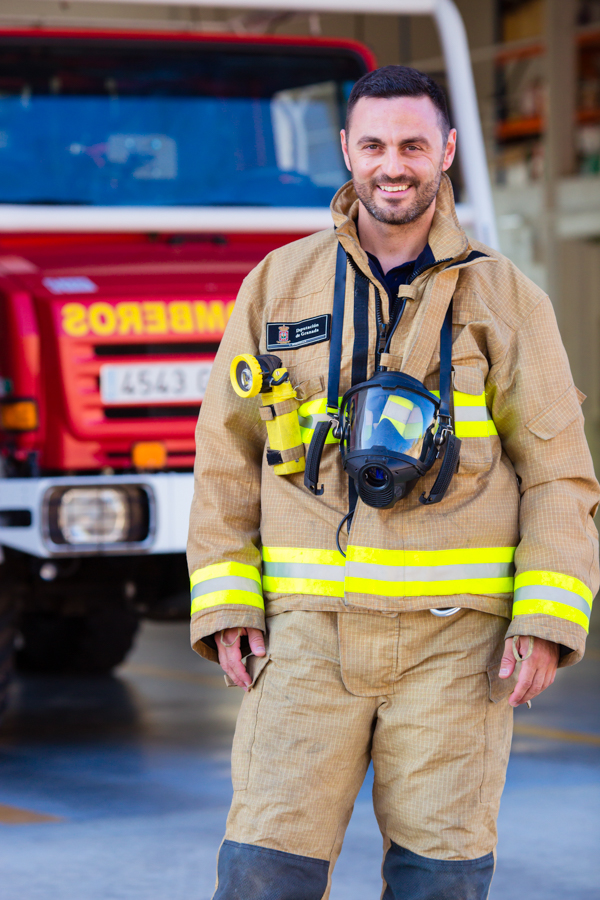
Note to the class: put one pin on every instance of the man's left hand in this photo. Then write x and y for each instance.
(537, 673)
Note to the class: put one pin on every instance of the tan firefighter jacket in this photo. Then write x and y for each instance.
(514, 535)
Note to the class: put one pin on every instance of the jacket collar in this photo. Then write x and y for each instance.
(447, 239)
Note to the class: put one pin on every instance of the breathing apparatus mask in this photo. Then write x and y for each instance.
(388, 427)
(391, 428)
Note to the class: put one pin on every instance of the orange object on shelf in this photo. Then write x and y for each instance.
(516, 128)
(526, 51)
(588, 116)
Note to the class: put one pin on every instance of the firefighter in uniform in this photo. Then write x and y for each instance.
(392, 639)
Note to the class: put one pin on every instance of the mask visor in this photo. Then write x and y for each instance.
(395, 419)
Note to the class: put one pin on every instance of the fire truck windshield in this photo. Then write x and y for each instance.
(173, 123)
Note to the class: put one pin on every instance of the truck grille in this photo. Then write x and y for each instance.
(108, 432)
(190, 348)
(151, 412)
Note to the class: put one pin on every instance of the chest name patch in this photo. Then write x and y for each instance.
(290, 335)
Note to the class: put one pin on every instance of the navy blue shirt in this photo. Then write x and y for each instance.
(400, 274)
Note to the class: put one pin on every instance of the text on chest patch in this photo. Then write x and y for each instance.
(290, 335)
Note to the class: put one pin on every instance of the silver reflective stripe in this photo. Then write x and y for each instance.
(226, 583)
(397, 412)
(429, 573)
(472, 413)
(309, 571)
(312, 420)
(554, 594)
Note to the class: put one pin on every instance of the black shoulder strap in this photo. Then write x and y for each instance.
(315, 450)
(446, 364)
(337, 328)
(451, 444)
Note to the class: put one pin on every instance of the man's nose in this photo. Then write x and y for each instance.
(392, 164)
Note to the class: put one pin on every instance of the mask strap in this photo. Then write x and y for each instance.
(451, 443)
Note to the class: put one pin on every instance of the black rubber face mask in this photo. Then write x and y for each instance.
(387, 429)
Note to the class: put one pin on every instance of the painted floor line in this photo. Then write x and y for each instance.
(556, 734)
(13, 815)
(170, 674)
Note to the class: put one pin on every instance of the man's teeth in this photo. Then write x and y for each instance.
(393, 188)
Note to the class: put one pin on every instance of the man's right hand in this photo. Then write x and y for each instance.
(230, 658)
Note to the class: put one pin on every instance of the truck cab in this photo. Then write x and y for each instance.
(142, 176)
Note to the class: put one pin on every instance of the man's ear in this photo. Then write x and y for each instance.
(450, 151)
(345, 149)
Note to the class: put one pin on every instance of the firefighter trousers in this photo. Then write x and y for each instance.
(418, 695)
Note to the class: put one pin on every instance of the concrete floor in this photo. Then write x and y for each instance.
(117, 788)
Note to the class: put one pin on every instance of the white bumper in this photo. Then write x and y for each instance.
(23, 500)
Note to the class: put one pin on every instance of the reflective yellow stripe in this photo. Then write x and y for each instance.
(461, 399)
(218, 598)
(400, 412)
(302, 555)
(481, 586)
(472, 418)
(300, 570)
(389, 573)
(552, 594)
(431, 557)
(303, 586)
(547, 608)
(473, 429)
(309, 414)
(401, 401)
(423, 573)
(466, 406)
(543, 580)
(225, 568)
(225, 583)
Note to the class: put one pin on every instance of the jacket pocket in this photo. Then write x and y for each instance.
(246, 725)
(498, 734)
(472, 421)
(254, 666)
(555, 417)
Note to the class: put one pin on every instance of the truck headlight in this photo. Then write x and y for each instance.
(98, 515)
(93, 516)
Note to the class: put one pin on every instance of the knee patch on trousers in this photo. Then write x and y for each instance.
(248, 872)
(412, 877)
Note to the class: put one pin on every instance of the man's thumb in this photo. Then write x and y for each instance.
(507, 666)
(256, 640)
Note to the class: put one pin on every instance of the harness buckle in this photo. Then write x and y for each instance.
(444, 432)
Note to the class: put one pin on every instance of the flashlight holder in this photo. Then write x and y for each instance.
(264, 375)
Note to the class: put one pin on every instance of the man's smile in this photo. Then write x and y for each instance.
(394, 188)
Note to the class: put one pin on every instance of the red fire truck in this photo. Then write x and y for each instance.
(119, 155)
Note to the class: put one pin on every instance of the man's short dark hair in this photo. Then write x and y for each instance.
(400, 81)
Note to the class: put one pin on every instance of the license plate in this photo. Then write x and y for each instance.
(139, 383)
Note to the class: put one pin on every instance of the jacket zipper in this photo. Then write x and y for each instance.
(382, 327)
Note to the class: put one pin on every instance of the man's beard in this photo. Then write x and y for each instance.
(425, 194)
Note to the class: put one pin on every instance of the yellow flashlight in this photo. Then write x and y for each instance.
(264, 375)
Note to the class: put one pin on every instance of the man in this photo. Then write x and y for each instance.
(356, 667)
